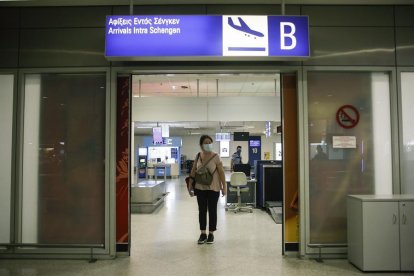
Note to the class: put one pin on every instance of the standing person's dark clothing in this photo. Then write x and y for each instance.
(320, 155)
(236, 158)
(207, 200)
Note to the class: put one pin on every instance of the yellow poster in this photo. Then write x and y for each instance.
(267, 155)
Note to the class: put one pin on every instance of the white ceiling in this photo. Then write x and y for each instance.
(196, 2)
(209, 85)
(206, 85)
(197, 128)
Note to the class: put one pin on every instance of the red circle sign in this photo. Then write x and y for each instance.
(347, 116)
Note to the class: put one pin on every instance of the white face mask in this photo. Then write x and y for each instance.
(208, 147)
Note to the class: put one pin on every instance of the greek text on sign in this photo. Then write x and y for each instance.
(347, 116)
(206, 36)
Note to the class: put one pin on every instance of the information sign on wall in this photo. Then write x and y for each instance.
(224, 148)
(255, 149)
(344, 142)
(197, 36)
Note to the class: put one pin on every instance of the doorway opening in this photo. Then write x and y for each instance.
(169, 113)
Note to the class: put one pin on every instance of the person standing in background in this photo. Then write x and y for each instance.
(320, 155)
(236, 158)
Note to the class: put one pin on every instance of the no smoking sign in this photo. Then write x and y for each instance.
(347, 116)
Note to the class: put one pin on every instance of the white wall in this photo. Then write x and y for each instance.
(191, 147)
(268, 145)
(163, 109)
(6, 126)
(204, 109)
(381, 122)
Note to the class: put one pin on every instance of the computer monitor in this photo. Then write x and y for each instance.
(242, 168)
(240, 136)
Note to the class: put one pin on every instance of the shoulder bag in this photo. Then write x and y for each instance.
(203, 175)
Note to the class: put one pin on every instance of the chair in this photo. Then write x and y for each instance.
(238, 182)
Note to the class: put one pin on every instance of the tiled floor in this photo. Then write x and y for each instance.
(164, 243)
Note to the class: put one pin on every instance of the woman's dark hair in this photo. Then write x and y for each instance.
(204, 137)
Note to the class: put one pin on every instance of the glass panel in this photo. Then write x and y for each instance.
(407, 156)
(336, 172)
(206, 85)
(64, 159)
(6, 126)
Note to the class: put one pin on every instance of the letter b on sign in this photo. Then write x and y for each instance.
(287, 36)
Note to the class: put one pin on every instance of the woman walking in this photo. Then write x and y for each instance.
(208, 166)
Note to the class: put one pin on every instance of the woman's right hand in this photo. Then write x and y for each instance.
(190, 187)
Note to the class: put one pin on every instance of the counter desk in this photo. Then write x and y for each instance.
(147, 195)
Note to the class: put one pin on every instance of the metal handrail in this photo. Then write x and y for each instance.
(56, 245)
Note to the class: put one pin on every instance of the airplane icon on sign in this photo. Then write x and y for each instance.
(244, 28)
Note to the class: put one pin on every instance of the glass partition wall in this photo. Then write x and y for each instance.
(6, 145)
(63, 173)
(361, 167)
(407, 147)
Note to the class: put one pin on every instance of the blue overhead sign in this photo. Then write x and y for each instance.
(137, 37)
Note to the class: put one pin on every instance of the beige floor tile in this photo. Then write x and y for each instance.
(164, 243)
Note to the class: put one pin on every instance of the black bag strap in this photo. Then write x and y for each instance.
(195, 164)
(208, 161)
(212, 159)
